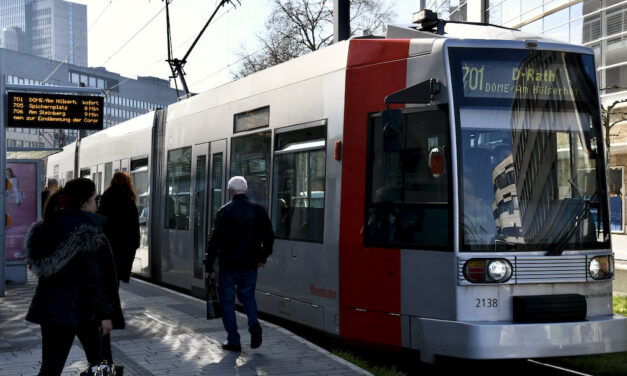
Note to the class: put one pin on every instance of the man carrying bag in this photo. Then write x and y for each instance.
(214, 311)
(241, 240)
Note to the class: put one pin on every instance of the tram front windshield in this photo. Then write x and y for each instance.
(531, 163)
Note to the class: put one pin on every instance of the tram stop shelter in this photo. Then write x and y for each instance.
(34, 107)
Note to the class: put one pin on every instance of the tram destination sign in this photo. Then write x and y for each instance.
(54, 111)
(490, 79)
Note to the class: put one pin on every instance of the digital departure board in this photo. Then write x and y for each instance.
(57, 111)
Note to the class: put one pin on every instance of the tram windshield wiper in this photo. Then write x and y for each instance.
(581, 214)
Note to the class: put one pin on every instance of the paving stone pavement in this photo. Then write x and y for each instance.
(166, 334)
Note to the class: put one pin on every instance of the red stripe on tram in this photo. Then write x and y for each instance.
(370, 278)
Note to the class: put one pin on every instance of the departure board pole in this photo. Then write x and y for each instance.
(51, 107)
(3, 167)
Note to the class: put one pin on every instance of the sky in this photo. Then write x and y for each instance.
(129, 36)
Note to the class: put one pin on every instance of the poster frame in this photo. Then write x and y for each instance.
(622, 196)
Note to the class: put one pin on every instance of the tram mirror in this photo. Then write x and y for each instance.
(436, 161)
(392, 130)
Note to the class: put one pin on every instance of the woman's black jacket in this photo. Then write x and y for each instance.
(121, 228)
(73, 262)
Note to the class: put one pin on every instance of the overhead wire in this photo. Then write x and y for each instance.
(227, 66)
(175, 49)
(133, 37)
(77, 44)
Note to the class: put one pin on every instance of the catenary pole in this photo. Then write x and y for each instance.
(341, 20)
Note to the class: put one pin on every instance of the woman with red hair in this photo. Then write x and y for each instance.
(117, 204)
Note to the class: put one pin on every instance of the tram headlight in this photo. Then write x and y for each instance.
(601, 267)
(487, 270)
(499, 270)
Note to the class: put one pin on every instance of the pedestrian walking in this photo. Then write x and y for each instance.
(77, 288)
(121, 227)
(241, 240)
(51, 187)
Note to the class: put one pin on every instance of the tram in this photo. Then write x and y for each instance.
(428, 190)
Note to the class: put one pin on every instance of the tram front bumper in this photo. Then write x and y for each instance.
(498, 340)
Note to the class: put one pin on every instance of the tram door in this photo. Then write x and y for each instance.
(208, 167)
(217, 181)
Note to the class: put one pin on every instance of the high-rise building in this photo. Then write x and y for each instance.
(598, 24)
(54, 29)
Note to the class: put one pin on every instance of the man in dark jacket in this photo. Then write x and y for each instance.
(241, 239)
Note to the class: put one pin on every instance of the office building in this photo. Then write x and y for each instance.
(54, 29)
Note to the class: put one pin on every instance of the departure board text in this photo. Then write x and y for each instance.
(56, 111)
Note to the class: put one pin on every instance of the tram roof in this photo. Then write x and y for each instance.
(459, 30)
(334, 58)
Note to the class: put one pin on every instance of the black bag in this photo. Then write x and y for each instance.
(102, 369)
(214, 311)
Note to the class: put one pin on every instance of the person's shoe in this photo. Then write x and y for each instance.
(255, 336)
(229, 347)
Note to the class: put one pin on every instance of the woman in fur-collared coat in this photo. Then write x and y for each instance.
(77, 290)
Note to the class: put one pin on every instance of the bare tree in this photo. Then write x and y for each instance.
(610, 119)
(296, 27)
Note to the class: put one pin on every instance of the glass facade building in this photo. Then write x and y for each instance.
(52, 29)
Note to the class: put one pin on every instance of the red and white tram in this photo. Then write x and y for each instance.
(470, 220)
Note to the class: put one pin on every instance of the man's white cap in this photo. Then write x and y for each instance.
(238, 184)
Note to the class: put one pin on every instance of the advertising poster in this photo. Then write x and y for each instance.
(21, 201)
(616, 199)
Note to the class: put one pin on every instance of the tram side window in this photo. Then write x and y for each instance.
(108, 173)
(408, 192)
(68, 176)
(250, 158)
(139, 173)
(178, 179)
(298, 185)
(85, 173)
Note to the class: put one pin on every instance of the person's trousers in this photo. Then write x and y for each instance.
(241, 283)
(57, 341)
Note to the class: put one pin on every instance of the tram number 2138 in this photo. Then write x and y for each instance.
(486, 303)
